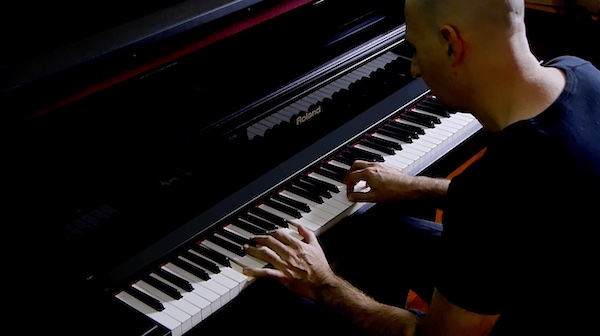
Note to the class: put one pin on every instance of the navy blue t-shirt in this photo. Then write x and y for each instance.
(519, 224)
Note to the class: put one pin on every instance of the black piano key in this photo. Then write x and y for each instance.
(332, 171)
(209, 265)
(416, 129)
(200, 273)
(213, 255)
(304, 193)
(401, 129)
(346, 157)
(425, 117)
(260, 222)
(435, 103)
(234, 237)
(269, 216)
(425, 106)
(292, 202)
(248, 227)
(336, 169)
(163, 287)
(384, 142)
(313, 188)
(283, 208)
(417, 120)
(323, 189)
(145, 298)
(366, 155)
(394, 134)
(328, 173)
(228, 245)
(174, 279)
(382, 148)
(329, 186)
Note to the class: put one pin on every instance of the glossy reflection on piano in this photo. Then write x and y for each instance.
(126, 225)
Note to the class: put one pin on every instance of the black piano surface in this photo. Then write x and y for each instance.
(118, 159)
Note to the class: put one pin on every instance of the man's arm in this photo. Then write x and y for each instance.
(389, 184)
(303, 268)
(364, 312)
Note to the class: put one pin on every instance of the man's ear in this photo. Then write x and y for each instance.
(455, 43)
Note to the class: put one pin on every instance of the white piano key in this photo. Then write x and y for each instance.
(333, 207)
(468, 117)
(362, 72)
(246, 260)
(414, 150)
(445, 131)
(229, 287)
(380, 62)
(341, 186)
(267, 122)
(457, 122)
(313, 226)
(199, 285)
(354, 76)
(428, 138)
(389, 57)
(371, 66)
(320, 95)
(328, 90)
(237, 276)
(309, 100)
(412, 147)
(238, 230)
(252, 132)
(192, 297)
(165, 320)
(324, 210)
(437, 134)
(194, 312)
(260, 127)
(340, 83)
(301, 105)
(449, 124)
(175, 309)
(289, 111)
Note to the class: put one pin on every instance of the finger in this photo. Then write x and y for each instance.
(265, 240)
(270, 273)
(309, 236)
(283, 236)
(285, 243)
(361, 196)
(266, 254)
(357, 165)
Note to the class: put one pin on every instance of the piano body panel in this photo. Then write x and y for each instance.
(114, 186)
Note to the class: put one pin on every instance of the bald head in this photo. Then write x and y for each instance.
(470, 52)
(474, 17)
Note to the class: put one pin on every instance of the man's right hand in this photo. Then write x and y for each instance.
(385, 183)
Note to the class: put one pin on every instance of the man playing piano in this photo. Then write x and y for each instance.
(516, 252)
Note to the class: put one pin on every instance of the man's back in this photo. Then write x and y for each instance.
(524, 207)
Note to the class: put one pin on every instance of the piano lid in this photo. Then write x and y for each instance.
(60, 34)
(66, 46)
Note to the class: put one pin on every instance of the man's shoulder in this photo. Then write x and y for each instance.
(567, 61)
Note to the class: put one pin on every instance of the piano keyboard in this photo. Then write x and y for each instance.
(327, 92)
(184, 291)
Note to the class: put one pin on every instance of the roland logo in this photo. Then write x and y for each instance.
(301, 119)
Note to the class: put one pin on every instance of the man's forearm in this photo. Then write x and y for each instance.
(430, 188)
(364, 312)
